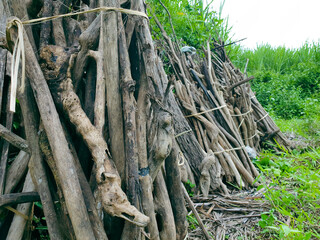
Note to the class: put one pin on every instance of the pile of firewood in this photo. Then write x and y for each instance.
(228, 122)
(105, 137)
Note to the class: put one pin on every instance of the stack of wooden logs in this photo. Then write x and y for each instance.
(94, 83)
(224, 115)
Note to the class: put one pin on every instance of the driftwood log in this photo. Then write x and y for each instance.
(105, 136)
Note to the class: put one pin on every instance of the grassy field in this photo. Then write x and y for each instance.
(287, 83)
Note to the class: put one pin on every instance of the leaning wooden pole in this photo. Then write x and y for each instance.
(129, 114)
(59, 144)
(109, 25)
(36, 166)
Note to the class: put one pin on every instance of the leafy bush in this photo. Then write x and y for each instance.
(287, 81)
(307, 77)
(277, 95)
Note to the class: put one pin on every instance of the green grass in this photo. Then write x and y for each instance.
(287, 81)
(277, 59)
(292, 188)
(194, 22)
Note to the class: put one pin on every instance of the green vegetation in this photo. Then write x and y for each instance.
(287, 81)
(194, 22)
(291, 183)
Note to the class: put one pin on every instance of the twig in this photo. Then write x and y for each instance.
(205, 232)
(245, 68)
(14, 139)
(224, 45)
(240, 83)
(170, 20)
(241, 216)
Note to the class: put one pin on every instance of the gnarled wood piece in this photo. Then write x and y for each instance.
(211, 175)
(114, 200)
(59, 145)
(161, 142)
(88, 196)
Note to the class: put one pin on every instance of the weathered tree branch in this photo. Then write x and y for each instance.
(14, 139)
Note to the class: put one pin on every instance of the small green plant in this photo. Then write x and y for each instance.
(193, 223)
(40, 228)
(189, 187)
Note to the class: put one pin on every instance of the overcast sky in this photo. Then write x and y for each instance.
(277, 22)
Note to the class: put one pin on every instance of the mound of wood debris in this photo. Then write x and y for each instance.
(105, 138)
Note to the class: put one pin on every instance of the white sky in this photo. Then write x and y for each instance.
(278, 22)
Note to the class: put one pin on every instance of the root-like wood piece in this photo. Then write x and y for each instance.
(114, 200)
(59, 145)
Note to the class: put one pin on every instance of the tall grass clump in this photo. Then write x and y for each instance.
(194, 21)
